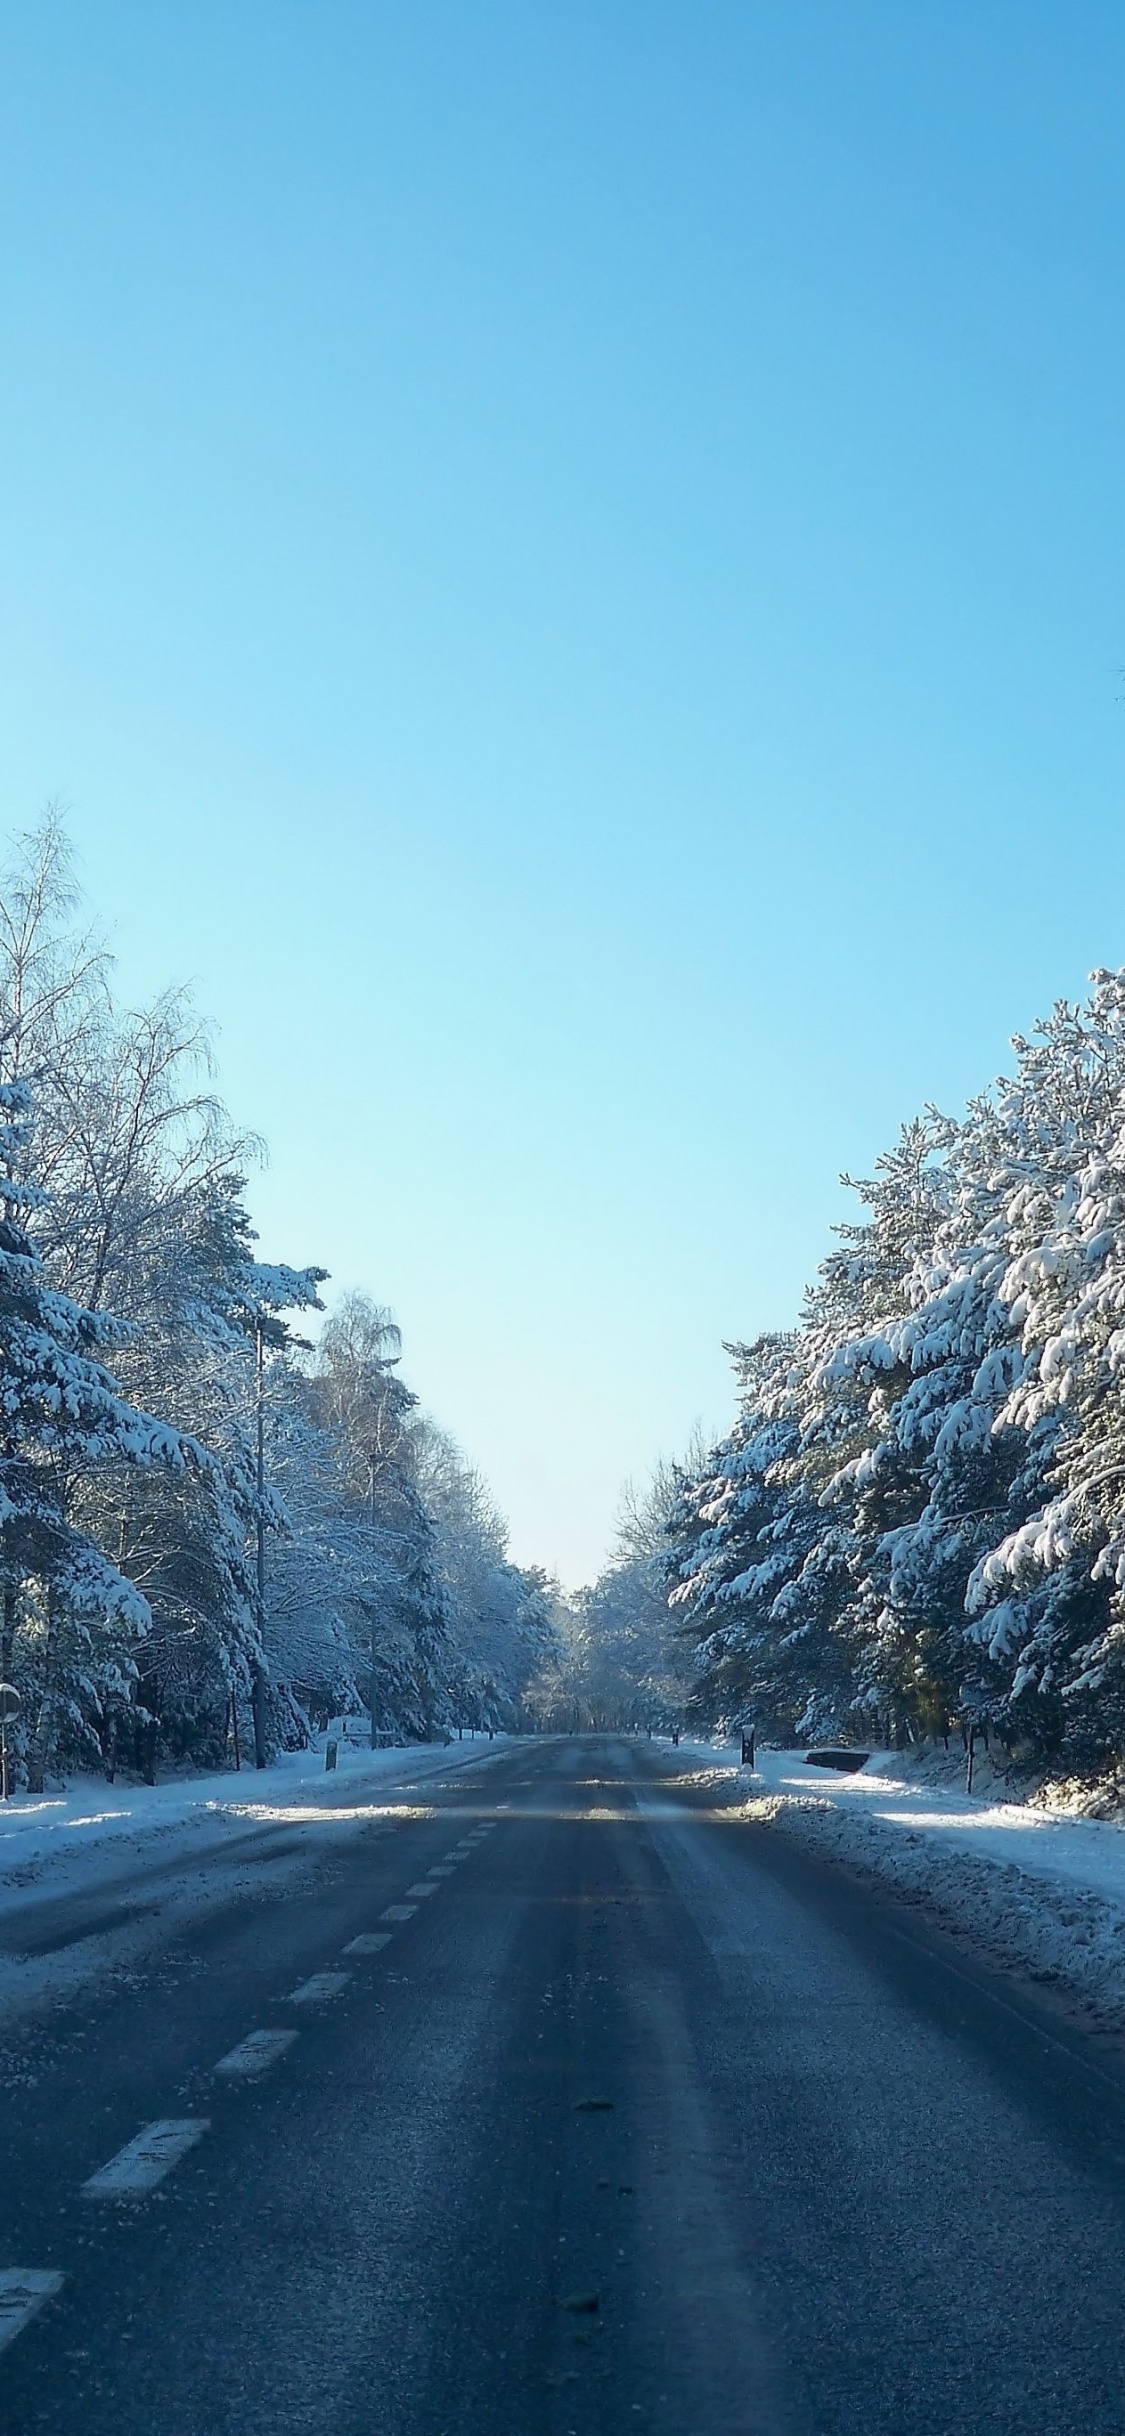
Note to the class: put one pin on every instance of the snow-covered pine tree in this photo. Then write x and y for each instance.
(239, 1313)
(64, 1419)
(756, 1572)
(946, 1498)
(359, 1395)
(1048, 1600)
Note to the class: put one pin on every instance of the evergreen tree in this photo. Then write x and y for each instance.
(65, 1422)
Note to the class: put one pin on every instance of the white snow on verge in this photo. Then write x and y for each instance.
(90, 1878)
(40, 1827)
(1042, 1893)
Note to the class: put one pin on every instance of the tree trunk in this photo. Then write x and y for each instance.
(260, 1711)
(40, 1744)
(8, 1633)
(259, 1672)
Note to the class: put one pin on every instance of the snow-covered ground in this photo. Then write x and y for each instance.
(90, 1877)
(95, 1822)
(1041, 1891)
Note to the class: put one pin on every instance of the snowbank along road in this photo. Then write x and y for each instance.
(559, 2103)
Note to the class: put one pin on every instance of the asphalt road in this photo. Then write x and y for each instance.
(631, 2116)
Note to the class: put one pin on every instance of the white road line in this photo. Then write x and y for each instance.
(143, 2162)
(255, 2054)
(321, 1988)
(442, 1869)
(460, 1852)
(23, 2291)
(371, 1942)
(421, 1887)
(399, 1911)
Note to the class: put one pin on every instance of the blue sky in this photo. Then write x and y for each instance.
(568, 564)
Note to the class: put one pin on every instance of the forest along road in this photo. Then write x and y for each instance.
(572, 2105)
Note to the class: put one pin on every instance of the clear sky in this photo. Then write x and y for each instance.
(567, 560)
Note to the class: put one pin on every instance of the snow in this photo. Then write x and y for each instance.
(1041, 1892)
(180, 1847)
(1082, 1852)
(37, 1829)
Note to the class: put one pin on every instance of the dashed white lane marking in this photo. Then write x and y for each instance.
(421, 1887)
(460, 1852)
(399, 1911)
(143, 2162)
(255, 2054)
(320, 1989)
(23, 2291)
(371, 1942)
(442, 1869)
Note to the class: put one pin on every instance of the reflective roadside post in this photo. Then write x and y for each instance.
(748, 1749)
(9, 1711)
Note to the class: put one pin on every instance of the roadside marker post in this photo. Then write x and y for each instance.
(748, 1749)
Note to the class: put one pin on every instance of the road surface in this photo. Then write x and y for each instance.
(621, 2115)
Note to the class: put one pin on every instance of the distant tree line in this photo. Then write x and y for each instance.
(618, 1665)
(212, 1535)
(920, 1508)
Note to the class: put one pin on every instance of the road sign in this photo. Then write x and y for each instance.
(10, 1703)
